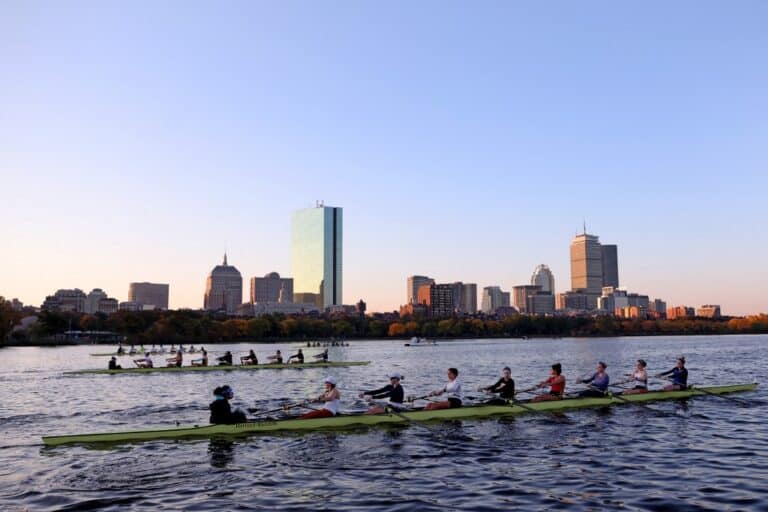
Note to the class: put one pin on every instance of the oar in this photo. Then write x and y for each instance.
(737, 400)
(391, 410)
(528, 390)
(285, 407)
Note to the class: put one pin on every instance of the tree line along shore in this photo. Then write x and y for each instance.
(186, 326)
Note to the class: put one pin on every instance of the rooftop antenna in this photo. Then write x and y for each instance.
(225, 255)
(585, 226)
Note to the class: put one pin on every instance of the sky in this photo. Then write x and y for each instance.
(467, 141)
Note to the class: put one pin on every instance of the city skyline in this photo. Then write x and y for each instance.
(463, 143)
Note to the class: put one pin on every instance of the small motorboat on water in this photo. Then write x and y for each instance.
(421, 342)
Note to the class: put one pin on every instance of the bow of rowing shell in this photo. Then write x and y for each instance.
(353, 420)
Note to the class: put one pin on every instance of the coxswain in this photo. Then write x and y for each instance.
(298, 356)
(505, 387)
(277, 358)
(226, 359)
(330, 400)
(639, 379)
(203, 361)
(452, 389)
(250, 359)
(677, 375)
(144, 362)
(556, 383)
(598, 383)
(221, 411)
(113, 364)
(393, 392)
(175, 360)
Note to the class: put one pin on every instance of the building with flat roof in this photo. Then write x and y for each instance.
(676, 312)
(154, 295)
(587, 267)
(709, 311)
(271, 288)
(316, 253)
(610, 265)
(521, 294)
(413, 283)
(468, 298)
(438, 298)
(223, 289)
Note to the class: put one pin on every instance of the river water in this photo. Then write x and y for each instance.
(707, 453)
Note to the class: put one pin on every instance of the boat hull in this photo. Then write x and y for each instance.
(215, 368)
(356, 420)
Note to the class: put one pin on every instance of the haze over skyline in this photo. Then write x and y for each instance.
(463, 143)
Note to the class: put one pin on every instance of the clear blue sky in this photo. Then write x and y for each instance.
(466, 141)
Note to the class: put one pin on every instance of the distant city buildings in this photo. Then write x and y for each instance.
(151, 295)
(493, 299)
(413, 284)
(521, 294)
(438, 299)
(543, 278)
(316, 253)
(223, 289)
(676, 312)
(91, 304)
(258, 309)
(587, 267)
(709, 311)
(76, 301)
(272, 288)
(610, 265)
(468, 299)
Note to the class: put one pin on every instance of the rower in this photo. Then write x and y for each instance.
(679, 376)
(298, 356)
(598, 383)
(203, 361)
(113, 364)
(175, 360)
(556, 383)
(452, 389)
(132, 350)
(322, 357)
(226, 359)
(221, 411)
(393, 392)
(330, 399)
(277, 358)
(250, 359)
(639, 378)
(145, 362)
(191, 349)
(120, 350)
(505, 387)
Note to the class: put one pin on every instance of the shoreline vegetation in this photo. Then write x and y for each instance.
(186, 326)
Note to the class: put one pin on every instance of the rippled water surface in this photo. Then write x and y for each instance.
(704, 454)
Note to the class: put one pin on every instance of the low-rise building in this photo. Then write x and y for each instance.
(270, 308)
(709, 311)
(676, 312)
(574, 300)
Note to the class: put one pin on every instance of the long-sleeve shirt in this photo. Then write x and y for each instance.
(395, 394)
(505, 388)
(598, 381)
(679, 376)
(221, 412)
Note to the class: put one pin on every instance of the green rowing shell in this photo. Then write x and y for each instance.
(215, 368)
(354, 420)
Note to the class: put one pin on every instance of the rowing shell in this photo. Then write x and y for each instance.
(352, 420)
(126, 354)
(216, 368)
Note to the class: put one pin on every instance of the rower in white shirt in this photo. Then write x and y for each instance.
(452, 390)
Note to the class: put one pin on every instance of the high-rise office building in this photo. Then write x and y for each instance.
(149, 295)
(521, 294)
(587, 267)
(610, 259)
(271, 288)
(223, 289)
(542, 277)
(438, 298)
(412, 287)
(316, 255)
(492, 299)
(468, 299)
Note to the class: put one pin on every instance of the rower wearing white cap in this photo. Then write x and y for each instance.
(393, 392)
(330, 399)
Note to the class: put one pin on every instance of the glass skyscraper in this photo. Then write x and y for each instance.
(316, 237)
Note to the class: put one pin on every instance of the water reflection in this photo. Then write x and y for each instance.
(221, 452)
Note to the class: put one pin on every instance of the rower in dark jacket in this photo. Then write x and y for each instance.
(221, 411)
(393, 391)
(678, 376)
(226, 359)
(505, 387)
